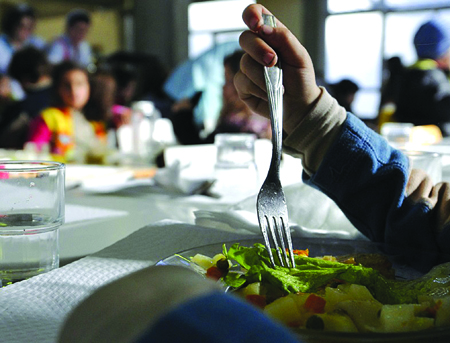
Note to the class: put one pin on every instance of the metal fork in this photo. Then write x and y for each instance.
(271, 202)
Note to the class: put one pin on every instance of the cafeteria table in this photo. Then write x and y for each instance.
(109, 234)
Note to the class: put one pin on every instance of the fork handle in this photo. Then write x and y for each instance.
(274, 84)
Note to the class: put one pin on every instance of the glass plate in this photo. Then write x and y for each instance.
(320, 247)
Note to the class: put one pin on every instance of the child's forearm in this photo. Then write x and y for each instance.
(311, 139)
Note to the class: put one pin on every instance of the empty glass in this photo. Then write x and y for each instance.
(31, 212)
(429, 162)
(235, 169)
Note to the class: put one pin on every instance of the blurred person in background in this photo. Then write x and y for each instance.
(63, 126)
(126, 80)
(98, 110)
(30, 67)
(344, 92)
(6, 99)
(18, 25)
(392, 77)
(235, 116)
(204, 74)
(72, 45)
(101, 110)
(141, 77)
(424, 96)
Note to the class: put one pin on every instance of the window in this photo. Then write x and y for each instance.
(385, 28)
(206, 29)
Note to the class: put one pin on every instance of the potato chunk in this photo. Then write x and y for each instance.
(334, 321)
(285, 310)
(401, 318)
(364, 313)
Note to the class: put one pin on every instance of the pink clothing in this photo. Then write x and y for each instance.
(40, 134)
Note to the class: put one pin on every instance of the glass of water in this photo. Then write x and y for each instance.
(31, 212)
(235, 169)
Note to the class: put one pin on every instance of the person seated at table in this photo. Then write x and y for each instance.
(63, 126)
(18, 24)
(424, 90)
(101, 109)
(369, 179)
(235, 116)
(30, 67)
(72, 45)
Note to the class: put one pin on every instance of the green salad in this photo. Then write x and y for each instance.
(322, 293)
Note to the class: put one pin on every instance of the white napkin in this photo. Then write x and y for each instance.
(236, 221)
(97, 178)
(172, 179)
(311, 213)
(241, 221)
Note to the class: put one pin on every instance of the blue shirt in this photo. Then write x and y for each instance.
(62, 49)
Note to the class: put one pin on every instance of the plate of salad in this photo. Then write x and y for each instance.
(339, 291)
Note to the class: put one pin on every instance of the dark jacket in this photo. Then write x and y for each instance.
(424, 96)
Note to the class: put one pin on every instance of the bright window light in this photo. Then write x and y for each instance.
(217, 15)
(416, 3)
(339, 6)
(354, 54)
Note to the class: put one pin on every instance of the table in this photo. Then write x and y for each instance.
(126, 230)
(114, 215)
(108, 235)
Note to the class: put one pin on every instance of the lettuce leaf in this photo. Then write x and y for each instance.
(312, 274)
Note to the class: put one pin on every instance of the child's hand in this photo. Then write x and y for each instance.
(263, 46)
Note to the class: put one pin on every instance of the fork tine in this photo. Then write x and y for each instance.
(275, 238)
(263, 225)
(281, 233)
(287, 233)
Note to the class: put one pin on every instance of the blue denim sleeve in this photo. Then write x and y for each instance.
(366, 177)
(217, 318)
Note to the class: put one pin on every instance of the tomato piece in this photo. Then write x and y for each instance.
(315, 304)
(257, 300)
(304, 253)
(214, 273)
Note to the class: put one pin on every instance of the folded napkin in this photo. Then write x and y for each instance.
(173, 179)
(241, 221)
(234, 221)
(311, 214)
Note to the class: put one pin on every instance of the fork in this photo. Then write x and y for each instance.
(271, 203)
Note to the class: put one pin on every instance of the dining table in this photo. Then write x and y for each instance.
(118, 219)
(117, 223)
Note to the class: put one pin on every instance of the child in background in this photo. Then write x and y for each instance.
(102, 110)
(235, 115)
(70, 136)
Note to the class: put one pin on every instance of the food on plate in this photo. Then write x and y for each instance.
(345, 293)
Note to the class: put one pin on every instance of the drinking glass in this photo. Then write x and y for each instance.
(429, 162)
(31, 212)
(235, 169)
